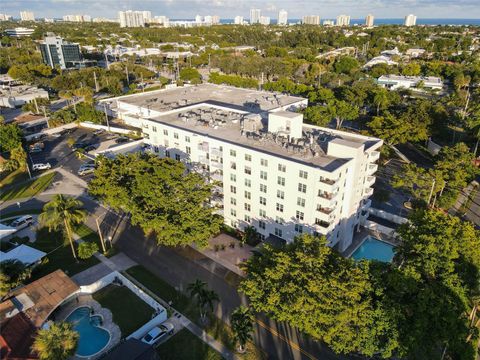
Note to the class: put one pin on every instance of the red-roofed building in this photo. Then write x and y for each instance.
(16, 338)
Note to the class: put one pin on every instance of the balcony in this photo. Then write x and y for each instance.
(203, 146)
(370, 181)
(216, 176)
(366, 204)
(374, 156)
(329, 185)
(216, 152)
(324, 214)
(322, 227)
(371, 169)
(326, 200)
(216, 163)
(368, 192)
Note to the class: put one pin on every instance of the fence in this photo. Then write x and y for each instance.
(114, 129)
(50, 131)
(121, 149)
(388, 216)
(380, 228)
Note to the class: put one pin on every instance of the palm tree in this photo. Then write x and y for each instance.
(58, 342)
(241, 321)
(380, 99)
(196, 288)
(206, 300)
(63, 212)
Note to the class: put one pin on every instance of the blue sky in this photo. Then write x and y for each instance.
(229, 8)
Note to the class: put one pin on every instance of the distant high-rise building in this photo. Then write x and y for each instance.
(343, 20)
(410, 20)
(311, 20)
(77, 18)
(282, 17)
(238, 20)
(255, 16)
(328, 22)
(198, 19)
(215, 19)
(56, 52)
(5, 17)
(264, 20)
(131, 18)
(163, 20)
(27, 16)
(207, 20)
(147, 16)
(19, 32)
(369, 20)
(49, 20)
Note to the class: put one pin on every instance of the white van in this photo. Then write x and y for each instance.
(22, 222)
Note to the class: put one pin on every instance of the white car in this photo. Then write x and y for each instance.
(86, 169)
(22, 222)
(41, 166)
(158, 333)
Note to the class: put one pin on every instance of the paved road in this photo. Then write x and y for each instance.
(279, 340)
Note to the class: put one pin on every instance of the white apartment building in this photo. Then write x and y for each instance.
(271, 170)
(328, 22)
(27, 16)
(19, 32)
(238, 20)
(394, 82)
(311, 20)
(5, 17)
(369, 20)
(264, 20)
(77, 18)
(282, 17)
(255, 16)
(131, 18)
(410, 20)
(343, 20)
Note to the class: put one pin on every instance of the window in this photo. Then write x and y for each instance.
(282, 168)
(261, 224)
(301, 202)
(299, 228)
(279, 220)
(303, 174)
(280, 194)
(263, 201)
(154, 128)
(263, 188)
(233, 201)
(302, 187)
(262, 213)
(264, 162)
(175, 135)
(248, 157)
(165, 132)
(247, 218)
(233, 189)
(278, 232)
(248, 195)
(299, 215)
(233, 165)
(233, 177)
(279, 207)
(188, 150)
(281, 181)
(177, 157)
(248, 170)
(167, 153)
(263, 175)
(233, 153)
(247, 207)
(233, 212)
(248, 183)
(187, 139)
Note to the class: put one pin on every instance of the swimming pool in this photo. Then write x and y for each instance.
(374, 249)
(93, 338)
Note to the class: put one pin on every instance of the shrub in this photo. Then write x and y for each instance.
(86, 250)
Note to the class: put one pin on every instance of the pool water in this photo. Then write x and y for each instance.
(374, 249)
(92, 338)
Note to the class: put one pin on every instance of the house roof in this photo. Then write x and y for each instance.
(38, 299)
(16, 338)
(26, 254)
(132, 349)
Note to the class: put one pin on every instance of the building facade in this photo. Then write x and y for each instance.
(311, 20)
(27, 16)
(238, 20)
(394, 82)
(343, 20)
(282, 17)
(271, 170)
(19, 32)
(255, 16)
(57, 52)
(369, 20)
(264, 20)
(131, 18)
(410, 20)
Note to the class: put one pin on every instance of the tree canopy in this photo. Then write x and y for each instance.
(58, 342)
(160, 195)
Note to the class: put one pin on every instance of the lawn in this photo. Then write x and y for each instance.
(27, 189)
(87, 234)
(59, 255)
(215, 327)
(18, 213)
(186, 346)
(12, 177)
(129, 311)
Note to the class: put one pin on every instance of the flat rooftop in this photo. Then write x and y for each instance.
(248, 100)
(429, 79)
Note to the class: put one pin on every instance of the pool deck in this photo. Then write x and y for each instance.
(361, 235)
(108, 324)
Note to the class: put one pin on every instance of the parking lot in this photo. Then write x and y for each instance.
(58, 153)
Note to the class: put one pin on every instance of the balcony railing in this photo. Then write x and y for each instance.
(203, 146)
(374, 156)
(372, 168)
(328, 181)
(325, 195)
(324, 210)
(370, 181)
(322, 223)
(368, 192)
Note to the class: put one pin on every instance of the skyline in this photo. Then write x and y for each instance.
(228, 9)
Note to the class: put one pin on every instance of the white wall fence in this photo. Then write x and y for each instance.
(371, 225)
(121, 149)
(388, 216)
(114, 129)
(51, 131)
(142, 331)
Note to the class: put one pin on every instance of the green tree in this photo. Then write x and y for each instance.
(346, 65)
(58, 342)
(411, 69)
(328, 297)
(160, 195)
(63, 212)
(381, 99)
(340, 111)
(18, 159)
(317, 115)
(241, 322)
(190, 74)
(12, 274)
(87, 249)
(456, 165)
(10, 136)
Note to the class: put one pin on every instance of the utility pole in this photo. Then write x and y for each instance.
(102, 240)
(208, 62)
(431, 192)
(106, 115)
(36, 105)
(126, 72)
(106, 61)
(143, 85)
(96, 83)
(45, 115)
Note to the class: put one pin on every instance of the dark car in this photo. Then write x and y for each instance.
(79, 145)
(121, 140)
(90, 147)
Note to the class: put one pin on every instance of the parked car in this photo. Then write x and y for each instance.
(90, 147)
(158, 333)
(79, 145)
(86, 169)
(40, 145)
(35, 150)
(98, 132)
(22, 222)
(41, 166)
(121, 139)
